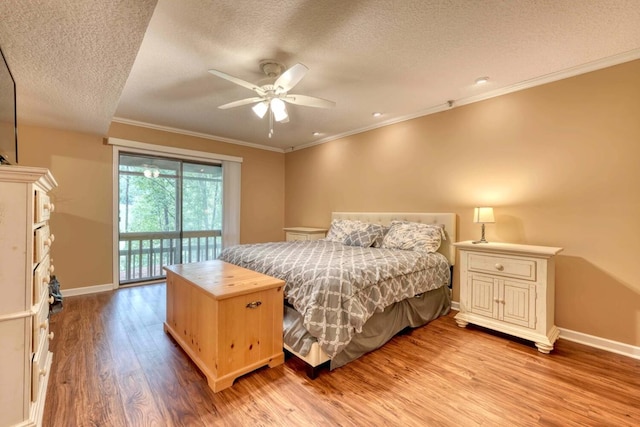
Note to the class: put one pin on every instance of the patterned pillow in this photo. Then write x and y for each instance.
(341, 228)
(413, 236)
(381, 230)
(365, 237)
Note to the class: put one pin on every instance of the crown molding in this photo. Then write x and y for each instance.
(195, 134)
(538, 81)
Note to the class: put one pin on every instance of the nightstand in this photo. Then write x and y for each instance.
(509, 288)
(304, 233)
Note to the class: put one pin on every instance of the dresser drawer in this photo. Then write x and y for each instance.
(42, 243)
(504, 266)
(41, 278)
(41, 322)
(44, 207)
(39, 368)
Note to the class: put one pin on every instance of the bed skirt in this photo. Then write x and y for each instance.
(380, 328)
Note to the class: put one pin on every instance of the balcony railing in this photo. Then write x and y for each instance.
(142, 255)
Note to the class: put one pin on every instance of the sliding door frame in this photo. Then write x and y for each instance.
(135, 147)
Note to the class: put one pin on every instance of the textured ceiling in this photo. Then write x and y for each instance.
(71, 58)
(405, 58)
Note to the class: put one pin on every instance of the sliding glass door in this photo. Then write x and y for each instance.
(170, 212)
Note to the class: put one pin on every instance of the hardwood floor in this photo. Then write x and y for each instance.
(114, 366)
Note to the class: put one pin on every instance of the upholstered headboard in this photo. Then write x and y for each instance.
(385, 218)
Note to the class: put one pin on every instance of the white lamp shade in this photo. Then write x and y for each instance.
(483, 215)
(260, 108)
(279, 109)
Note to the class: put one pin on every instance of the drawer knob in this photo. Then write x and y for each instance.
(50, 336)
(52, 237)
(43, 372)
(254, 304)
(499, 267)
(47, 242)
(51, 269)
(51, 300)
(44, 324)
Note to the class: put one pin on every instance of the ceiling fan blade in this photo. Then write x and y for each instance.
(309, 101)
(240, 102)
(238, 81)
(290, 78)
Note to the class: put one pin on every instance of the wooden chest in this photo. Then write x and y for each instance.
(226, 318)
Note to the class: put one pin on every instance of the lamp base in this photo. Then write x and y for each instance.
(479, 241)
(482, 239)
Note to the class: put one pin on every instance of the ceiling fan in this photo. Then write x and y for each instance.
(272, 97)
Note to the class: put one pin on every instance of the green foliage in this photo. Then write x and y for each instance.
(150, 204)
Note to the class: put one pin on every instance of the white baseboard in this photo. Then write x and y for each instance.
(87, 290)
(601, 343)
(589, 340)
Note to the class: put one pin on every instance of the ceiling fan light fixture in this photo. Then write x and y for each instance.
(279, 109)
(261, 108)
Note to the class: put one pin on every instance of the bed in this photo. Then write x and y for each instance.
(374, 275)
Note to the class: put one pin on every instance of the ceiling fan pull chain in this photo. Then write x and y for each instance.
(270, 123)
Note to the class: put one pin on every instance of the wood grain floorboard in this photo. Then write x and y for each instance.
(114, 366)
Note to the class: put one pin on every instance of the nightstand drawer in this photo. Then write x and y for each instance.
(296, 236)
(293, 234)
(509, 267)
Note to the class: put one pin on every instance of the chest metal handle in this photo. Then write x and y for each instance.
(254, 304)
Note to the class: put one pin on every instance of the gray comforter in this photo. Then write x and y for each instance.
(337, 288)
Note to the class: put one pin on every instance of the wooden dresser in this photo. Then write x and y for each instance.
(25, 265)
(226, 318)
(509, 288)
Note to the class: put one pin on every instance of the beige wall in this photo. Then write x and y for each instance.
(82, 252)
(558, 162)
(83, 221)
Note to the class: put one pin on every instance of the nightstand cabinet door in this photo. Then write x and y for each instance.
(518, 303)
(509, 288)
(506, 300)
(483, 295)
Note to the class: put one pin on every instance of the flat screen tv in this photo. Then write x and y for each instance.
(8, 119)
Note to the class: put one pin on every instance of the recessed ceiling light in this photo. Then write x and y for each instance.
(482, 80)
(376, 114)
(316, 134)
